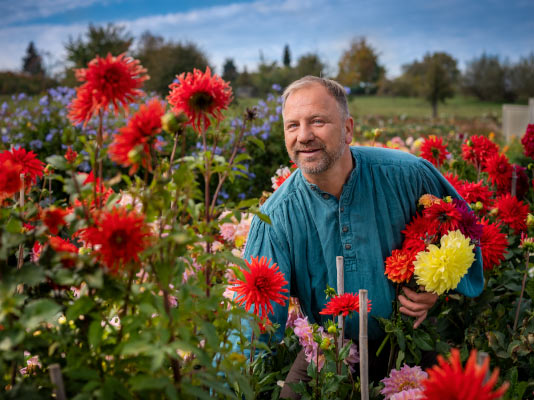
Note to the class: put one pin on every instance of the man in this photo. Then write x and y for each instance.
(348, 201)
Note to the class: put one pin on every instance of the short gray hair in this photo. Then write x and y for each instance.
(335, 89)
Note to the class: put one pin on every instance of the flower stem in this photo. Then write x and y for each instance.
(252, 351)
(527, 257)
(126, 302)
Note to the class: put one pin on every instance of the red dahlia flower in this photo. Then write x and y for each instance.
(443, 216)
(70, 155)
(119, 236)
(450, 381)
(528, 141)
(109, 81)
(29, 165)
(417, 232)
(198, 95)
(512, 212)
(100, 189)
(10, 182)
(454, 180)
(54, 218)
(478, 149)
(475, 192)
(138, 135)
(434, 150)
(493, 244)
(262, 284)
(66, 250)
(399, 265)
(343, 304)
(499, 172)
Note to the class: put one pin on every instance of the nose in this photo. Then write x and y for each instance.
(305, 133)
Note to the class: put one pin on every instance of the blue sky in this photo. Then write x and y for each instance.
(400, 30)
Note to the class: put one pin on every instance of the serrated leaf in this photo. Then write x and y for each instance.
(257, 142)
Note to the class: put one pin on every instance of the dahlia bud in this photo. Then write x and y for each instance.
(134, 155)
(530, 220)
(332, 329)
(326, 343)
(173, 123)
(377, 132)
(494, 211)
(477, 206)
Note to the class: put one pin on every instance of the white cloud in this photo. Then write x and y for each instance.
(25, 10)
(241, 30)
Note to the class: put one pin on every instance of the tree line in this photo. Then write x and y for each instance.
(435, 77)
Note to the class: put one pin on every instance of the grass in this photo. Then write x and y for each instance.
(459, 107)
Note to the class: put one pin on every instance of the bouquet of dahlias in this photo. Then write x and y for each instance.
(438, 250)
(439, 245)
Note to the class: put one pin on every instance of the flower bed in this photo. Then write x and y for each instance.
(121, 249)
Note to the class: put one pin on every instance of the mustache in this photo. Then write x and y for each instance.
(313, 146)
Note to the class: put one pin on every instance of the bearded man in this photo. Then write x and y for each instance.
(343, 201)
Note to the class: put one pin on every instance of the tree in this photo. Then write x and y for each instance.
(485, 78)
(230, 73)
(164, 60)
(286, 59)
(521, 78)
(98, 41)
(433, 78)
(358, 66)
(32, 62)
(309, 64)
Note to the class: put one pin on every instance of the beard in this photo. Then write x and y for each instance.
(320, 162)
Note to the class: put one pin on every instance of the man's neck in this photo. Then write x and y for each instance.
(332, 180)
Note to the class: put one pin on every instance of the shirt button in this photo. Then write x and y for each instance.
(347, 246)
(341, 209)
(325, 196)
(345, 229)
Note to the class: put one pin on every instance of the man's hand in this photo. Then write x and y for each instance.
(416, 304)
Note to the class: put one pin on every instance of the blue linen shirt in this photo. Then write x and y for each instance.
(309, 228)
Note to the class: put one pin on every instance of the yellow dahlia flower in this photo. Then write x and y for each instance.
(440, 269)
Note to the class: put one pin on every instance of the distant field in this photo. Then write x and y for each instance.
(415, 107)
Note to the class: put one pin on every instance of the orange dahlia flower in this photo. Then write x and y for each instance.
(450, 381)
(343, 304)
(262, 285)
(200, 95)
(399, 265)
(109, 81)
(138, 134)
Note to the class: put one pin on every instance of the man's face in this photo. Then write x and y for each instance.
(316, 134)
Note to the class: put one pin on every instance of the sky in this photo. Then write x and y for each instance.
(401, 31)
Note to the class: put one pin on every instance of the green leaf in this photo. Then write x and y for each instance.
(345, 351)
(30, 274)
(38, 311)
(146, 382)
(400, 358)
(13, 225)
(265, 218)
(82, 373)
(529, 288)
(423, 340)
(257, 142)
(95, 333)
(80, 307)
(57, 162)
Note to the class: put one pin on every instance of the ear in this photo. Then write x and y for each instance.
(348, 129)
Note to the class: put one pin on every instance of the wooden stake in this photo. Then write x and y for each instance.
(364, 350)
(340, 290)
(57, 380)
